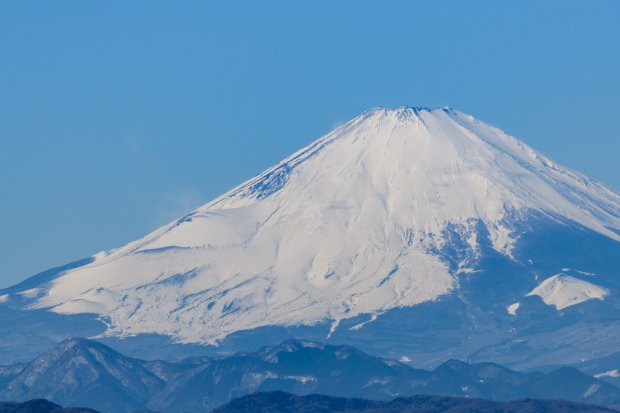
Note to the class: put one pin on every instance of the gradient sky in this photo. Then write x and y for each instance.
(117, 117)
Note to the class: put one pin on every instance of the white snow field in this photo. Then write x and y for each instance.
(563, 291)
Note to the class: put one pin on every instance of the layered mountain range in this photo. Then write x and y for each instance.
(87, 373)
(414, 233)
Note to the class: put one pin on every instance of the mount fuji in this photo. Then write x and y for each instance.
(416, 233)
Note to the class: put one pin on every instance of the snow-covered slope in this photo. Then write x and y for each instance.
(364, 220)
(564, 291)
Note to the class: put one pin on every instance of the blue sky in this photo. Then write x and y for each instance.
(116, 117)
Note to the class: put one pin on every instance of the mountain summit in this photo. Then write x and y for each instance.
(396, 209)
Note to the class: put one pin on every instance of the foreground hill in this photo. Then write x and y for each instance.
(279, 402)
(40, 406)
(87, 373)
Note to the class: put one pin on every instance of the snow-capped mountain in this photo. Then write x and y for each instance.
(392, 215)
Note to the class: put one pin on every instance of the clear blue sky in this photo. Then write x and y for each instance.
(116, 117)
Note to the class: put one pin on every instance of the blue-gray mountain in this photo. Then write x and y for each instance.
(87, 373)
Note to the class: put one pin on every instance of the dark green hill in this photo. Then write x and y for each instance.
(280, 402)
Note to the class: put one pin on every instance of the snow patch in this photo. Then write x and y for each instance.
(311, 344)
(585, 273)
(359, 326)
(302, 379)
(377, 380)
(591, 390)
(577, 271)
(512, 308)
(611, 373)
(563, 291)
(254, 380)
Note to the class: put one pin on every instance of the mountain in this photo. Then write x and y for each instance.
(295, 366)
(415, 233)
(87, 373)
(281, 402)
